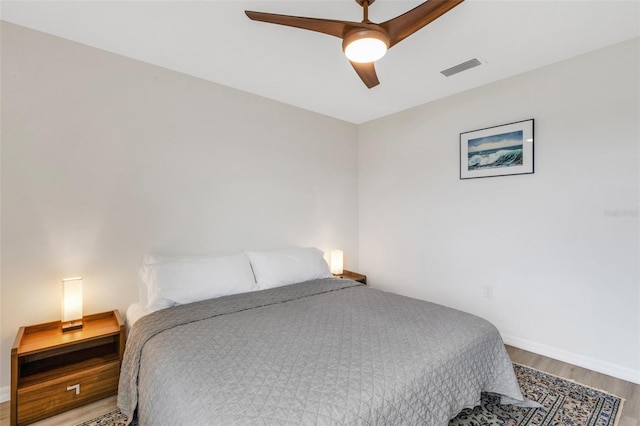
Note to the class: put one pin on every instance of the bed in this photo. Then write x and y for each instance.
(323, 351)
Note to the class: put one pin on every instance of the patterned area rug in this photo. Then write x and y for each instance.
(564, 403)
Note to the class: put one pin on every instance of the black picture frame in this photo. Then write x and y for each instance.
(502, 150)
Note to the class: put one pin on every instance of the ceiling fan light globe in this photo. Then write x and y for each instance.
(364, 45)
(365, 50)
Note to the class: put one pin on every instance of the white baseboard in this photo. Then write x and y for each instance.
(603, 367)
(4, 394)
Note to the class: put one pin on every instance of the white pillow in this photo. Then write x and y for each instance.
(275, 268)
(189, 280)
(146, 277)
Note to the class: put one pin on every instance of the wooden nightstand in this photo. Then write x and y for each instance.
(353, 276)
(52, 372)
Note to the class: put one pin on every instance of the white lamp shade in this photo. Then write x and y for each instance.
(71, 299)
(337, 262)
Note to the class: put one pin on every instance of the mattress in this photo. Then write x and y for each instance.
(328, 351)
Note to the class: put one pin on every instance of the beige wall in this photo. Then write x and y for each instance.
(558, 249)
(105, 159)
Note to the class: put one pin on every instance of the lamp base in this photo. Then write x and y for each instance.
(71, 325)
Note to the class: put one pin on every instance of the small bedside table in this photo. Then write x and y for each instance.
(52, 371)
(353, 276)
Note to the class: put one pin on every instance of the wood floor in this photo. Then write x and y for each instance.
(629, 391)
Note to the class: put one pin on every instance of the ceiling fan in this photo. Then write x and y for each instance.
(365, 42)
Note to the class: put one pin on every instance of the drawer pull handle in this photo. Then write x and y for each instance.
(76, 387)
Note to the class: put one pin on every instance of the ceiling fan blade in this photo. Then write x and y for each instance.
(408, 23)
(367, 73)
(325, 26)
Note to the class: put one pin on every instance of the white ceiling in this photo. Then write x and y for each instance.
(215, 41)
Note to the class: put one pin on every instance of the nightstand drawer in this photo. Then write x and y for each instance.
(43, 399)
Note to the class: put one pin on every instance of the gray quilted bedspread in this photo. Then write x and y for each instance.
(326, 352)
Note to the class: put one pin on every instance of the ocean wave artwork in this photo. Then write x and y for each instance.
(502, 150)
(496, 158)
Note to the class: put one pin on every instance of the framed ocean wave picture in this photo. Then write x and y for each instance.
(497, 151)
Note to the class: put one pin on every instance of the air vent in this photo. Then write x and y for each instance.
(461, 67)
